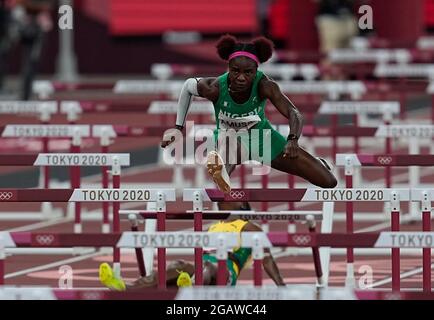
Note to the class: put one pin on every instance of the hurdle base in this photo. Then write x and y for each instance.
(48, 212)
(117, 269)
(79, 251)
(292, 228)
(350, 281)
(105, 228)
(78, 228)
(106, 250)
(320, 283)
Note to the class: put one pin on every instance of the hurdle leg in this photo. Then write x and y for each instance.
(414, 180)
(2, 261)
(432, 108)
(45, 171)
(264, 204)
(221, 272)
(139, 254)
(222, 256)
(388, 169)
(75, 182)
(198, 252)
(316, 256)
(242, 176)
(335, 138)
(257, 272)
(161, 252)
(350, 281)
(45, 120)
(402, 99)
(356, 139)
(291, 206)
(116, 173)
(105, 205)
(395, 255)
(326, 227)
(426, 225)
(149, 253)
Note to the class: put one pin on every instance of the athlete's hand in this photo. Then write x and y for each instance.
(170, 136)
(291, 149)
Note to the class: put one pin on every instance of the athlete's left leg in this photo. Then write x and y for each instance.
(307, 167)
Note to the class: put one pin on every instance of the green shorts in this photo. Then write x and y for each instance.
(230, 265)
(263, 145)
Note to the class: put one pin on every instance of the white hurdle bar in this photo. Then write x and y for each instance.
(74, 161)
(414, 133)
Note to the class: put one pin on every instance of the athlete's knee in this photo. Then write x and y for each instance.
(330, 181)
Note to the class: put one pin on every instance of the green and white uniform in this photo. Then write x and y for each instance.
(245, 117)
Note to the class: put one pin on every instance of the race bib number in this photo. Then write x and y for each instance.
(238, 123)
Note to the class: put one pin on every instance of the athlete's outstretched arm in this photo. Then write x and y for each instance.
(269, 89)
(192, 87)
(204, 88)
(268, 262)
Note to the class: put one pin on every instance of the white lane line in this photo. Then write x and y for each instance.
(40, 225)
(403, 275)
(52, 265)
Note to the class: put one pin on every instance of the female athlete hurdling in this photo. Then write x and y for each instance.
(239, 97)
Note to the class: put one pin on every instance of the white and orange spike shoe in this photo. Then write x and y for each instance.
(217, 170)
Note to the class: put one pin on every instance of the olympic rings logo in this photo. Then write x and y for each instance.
(44, 239)
(5, 196)
(384, 160)
(237, 194)
(302, 239)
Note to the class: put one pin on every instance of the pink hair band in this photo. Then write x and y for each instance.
(245, 54)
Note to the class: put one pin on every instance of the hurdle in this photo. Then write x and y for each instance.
(115, 195)
(417, 70)
(166, 88)
(44, 109)
(387, 109)
(430, 91)
(363, 58)
(394, 197)
(198, 214)
(45, 131)
(221, 241)
(74, 132)
(350, 161)
(425, 43)
(46, 88)
(401, 56)
(173, 87)
(420, 70)
(414, 133)
(244, 293)
(284, 71)
(70, 160)
(357, 108)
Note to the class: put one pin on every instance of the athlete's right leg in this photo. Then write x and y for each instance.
(233, 205)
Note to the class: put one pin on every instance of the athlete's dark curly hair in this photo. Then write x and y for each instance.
(260, 47)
